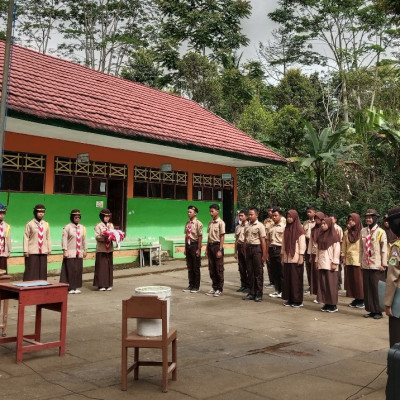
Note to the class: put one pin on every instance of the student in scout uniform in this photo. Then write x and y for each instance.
(274, 246)
(268, 222)
(373, 258)
(339, 231)
(256, 255)
(327, 261)
(5, 239)
(74, 247)
(393, 276)
(37, 245)
(353, 278)
(240, 251)
(307, 226)
(312, 250)
(193, 239)
(215, 251)
(292, 258)
(390, 235)
(103, 268)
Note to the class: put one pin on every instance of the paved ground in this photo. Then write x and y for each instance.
(228, 348)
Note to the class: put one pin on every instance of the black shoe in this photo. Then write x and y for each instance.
(360, 304)
(287, 304)
(325, 308)
(258, 299)
(188, 289)
(354, 303)
(378, 316)
(241, 289)
(369, 315)
(248, 297)
(332, 309)
(246, 290)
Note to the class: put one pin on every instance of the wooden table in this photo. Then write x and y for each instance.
(51, 297)
(3, 322)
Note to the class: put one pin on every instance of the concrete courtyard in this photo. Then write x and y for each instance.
(227, 349)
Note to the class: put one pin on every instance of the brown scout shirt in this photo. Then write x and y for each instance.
(239, 232)
(254, 232)
(393, 275)
(7, 240)
(378, 249)
(275, 234)
(100, 239)
(31, 245)
(215, 229)
(197, 230)
(307, 226)
(69, 240)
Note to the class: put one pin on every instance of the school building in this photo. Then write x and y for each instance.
(79, 138)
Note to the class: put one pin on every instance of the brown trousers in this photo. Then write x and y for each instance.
(292, 288)
(307, 261)
(215, 266)
(371, 277)
(314, 276)
(193, 263)
(244, 280)
(255, 270)
(276, 267)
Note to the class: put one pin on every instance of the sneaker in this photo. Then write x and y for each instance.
(269, 286)
(325, 308)
(307, 291)
(332, 309)
(102, 289)
(354, 303)
(248, 297)
(316, 301)
(194, 290)
(72, 291)
(210, 292)
(287, 304)
(369, 315)
(275, 294)
(77, 291)
(297, 305)
(240, 289)
(378, 316)
(188, 289)
(360, 305)
(246, 290)
(258, 299)
(217, 293)
(109, 288)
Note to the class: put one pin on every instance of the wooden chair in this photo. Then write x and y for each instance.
(147, 307)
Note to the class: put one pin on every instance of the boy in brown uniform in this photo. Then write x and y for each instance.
(193, 238)
(37, 245)
(5, 239)
(239, 251)
(256, 254)
(215, 251)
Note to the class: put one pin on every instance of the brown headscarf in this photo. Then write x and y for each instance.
(292, 232)
(354, 232)
(327, 238)
(316, 229)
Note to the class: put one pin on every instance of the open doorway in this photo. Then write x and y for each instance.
(116, 202)
(227, 214)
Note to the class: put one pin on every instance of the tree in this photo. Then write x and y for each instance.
(324, 153)
(204, 24)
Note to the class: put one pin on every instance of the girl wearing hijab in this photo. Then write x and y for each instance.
(373, 256)
(353, 282)
(327, 260)
(103, 268)
(74, 247)
(37, 245)
(312, 250)
(292, 258)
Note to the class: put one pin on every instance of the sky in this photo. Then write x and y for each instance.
(258, 27)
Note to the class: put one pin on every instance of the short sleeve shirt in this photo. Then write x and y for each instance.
(275, 234)
(308, 225)
(254, 233)
(239, 232)
(197, 229)
(215, 229)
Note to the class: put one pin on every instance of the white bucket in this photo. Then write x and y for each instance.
(153, 327)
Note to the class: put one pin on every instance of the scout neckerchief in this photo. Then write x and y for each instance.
(78, 241)
(189, 231)
(2, 239)
(108, 243)
(40, 237)
(368, 243)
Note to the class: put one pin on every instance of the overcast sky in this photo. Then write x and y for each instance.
(258, 27)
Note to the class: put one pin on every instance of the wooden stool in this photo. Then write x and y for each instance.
(3, 320)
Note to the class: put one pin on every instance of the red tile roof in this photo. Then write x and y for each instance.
(51, 88)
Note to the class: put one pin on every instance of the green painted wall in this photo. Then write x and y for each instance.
(146, 218)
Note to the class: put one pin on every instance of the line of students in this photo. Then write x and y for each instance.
(37, 246)
(287, 245)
